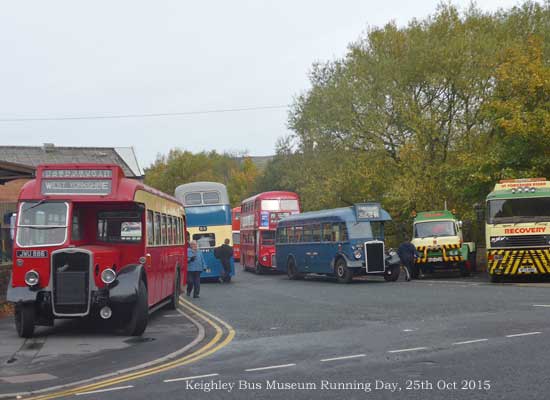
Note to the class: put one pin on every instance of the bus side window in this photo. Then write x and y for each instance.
(158, 239)
(150, 230)
(163, 229)
(308, 233)
(290, 234)
(344, 231)
(281, 235)
(335, 232)
(169, 230)
(298, 234)
(327, 232)
(316, 233)
(75, 229)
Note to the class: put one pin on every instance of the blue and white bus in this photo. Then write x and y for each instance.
(342, 242)
(208, 221)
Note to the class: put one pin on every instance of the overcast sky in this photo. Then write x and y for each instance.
(71, 58)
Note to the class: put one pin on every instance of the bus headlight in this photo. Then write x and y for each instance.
(32, 278)
(357, 254)
(108, 276)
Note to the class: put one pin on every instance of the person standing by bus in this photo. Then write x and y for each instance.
(224, 254)
(407, 254)
(195, 265)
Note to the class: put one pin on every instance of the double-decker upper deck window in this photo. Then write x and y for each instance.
(42, 223)
(289, 205)
(211, 198)
(193, 199)
(270, 205)
(119, 226)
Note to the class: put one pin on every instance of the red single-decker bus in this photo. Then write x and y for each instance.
(89, 241)
(259, 217)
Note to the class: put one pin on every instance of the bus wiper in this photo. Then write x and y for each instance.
(35, 205)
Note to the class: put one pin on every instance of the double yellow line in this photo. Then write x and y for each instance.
(219, 340)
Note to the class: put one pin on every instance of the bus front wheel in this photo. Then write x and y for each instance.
(25, 319)
(343, 273)
(139, 313)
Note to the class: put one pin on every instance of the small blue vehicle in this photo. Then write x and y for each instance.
(343, 242)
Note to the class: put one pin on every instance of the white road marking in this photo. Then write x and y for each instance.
(343, 358)
(471, 341)
(188, 378)
(409, 330)
(405, 350)
(524, 334)
(104, 390)
(541, 305)
(270, 367)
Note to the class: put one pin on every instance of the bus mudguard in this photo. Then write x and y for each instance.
(349, 263)
(127, 284)
(22, 294)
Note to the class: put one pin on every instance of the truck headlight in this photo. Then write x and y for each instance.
(108, 276)
(357, 254)
(32, 278)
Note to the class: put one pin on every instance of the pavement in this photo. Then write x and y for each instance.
(77, 350)
(439, 337)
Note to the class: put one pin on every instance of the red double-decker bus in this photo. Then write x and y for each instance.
(259, 217)
(236, 227)
(89, 241)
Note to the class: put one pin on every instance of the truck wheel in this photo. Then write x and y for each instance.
(392, 274)
(176, 295)
(495, 278)
(25, 319)
(343, 273)
(139, 313)
(292, 271)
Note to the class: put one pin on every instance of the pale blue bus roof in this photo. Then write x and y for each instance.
(202, 194)
(343, 214)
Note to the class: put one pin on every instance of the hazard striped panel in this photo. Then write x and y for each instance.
(424, 250)
(519, 261)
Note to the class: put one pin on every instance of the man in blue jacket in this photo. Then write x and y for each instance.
(195, 265)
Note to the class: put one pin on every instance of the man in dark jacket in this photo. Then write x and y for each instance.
(407, 254)
(224, 254)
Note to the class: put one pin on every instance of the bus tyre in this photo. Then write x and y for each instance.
(391, 274)
(177, 290)
(25, 319)
(292, 271)
(139, 313)
(343, 273)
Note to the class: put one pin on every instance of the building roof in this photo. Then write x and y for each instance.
(10, 171)
(32, 156)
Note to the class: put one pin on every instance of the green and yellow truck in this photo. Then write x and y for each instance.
(437, 236)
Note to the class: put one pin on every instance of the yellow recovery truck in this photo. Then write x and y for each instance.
(518, 228)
